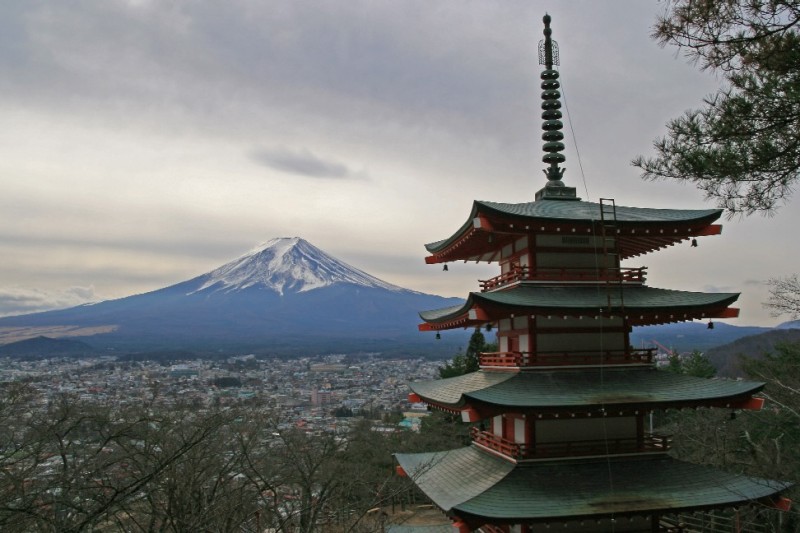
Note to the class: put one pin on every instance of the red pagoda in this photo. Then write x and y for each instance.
(561, 411)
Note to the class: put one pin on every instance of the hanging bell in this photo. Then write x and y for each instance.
(445, 267)
(438, 336)
(694, 243)
(710, 325)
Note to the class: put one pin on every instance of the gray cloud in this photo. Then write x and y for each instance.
(19, 300)
(715, 288)
(304, 163)
(442, 101)
(753, 282)
(241, 63)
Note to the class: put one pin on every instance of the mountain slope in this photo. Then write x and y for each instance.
(46, 345)
(290, 264)
(727, 358)
(688, 336)
(283, 293)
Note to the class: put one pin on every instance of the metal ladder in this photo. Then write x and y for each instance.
(609, 230)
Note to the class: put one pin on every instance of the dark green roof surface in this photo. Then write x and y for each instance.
(637, 298)
(556, 210)
(554, 389)
(468, 480)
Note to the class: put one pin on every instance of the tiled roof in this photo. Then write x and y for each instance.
(468, 480)
(456, 476)
(450, 391)
(575, 388)
(588, 298)
(556, 210)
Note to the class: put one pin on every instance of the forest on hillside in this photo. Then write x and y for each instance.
(68, 466)
(762, 444)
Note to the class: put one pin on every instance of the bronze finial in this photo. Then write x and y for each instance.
(551, 116)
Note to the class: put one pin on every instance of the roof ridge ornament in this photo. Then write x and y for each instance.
(551, 116)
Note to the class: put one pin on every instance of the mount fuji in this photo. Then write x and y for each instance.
(285, 296)
(290, 264)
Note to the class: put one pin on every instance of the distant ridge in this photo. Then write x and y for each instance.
(46, 347)
(283, 297)
(727, 359)
(688, 336)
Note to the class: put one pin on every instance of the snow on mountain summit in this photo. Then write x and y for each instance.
(288, 265)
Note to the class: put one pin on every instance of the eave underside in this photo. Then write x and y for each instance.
(467, 481)
(640, 230)
(640, 305)
(581, 390)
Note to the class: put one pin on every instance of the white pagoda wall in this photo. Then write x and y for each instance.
(606, 334)
(568, 430)
(573, 256)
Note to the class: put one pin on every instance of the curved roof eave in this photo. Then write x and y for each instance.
(588, 388)
(468, 481)
(437, 246)
(539, 299)
(576, 212)
(590, 211)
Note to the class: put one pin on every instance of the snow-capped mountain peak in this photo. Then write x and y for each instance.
(287, 264)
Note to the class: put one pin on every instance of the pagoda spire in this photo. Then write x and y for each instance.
(551, 117)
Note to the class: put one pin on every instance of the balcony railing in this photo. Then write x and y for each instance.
(506, 447)
(521, 273)
(648, 443)
(531, 359)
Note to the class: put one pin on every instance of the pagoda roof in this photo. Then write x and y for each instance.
(468, 481)
(643, 305)
(658, 227)
(586, 388)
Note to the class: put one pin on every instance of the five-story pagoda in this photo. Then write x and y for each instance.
(563, 406)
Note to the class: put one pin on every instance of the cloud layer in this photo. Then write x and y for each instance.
(19, 300)
(303, 163)
(147, 142)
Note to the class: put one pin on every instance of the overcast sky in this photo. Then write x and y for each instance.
(147, 142)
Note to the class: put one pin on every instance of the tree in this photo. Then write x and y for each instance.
(743, 147)
(784, 296)
(695, 364)
(73, 465)
(762, 443)
(674, 363)
(469, 361)
(699, 366)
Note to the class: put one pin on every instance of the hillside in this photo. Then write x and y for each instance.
(38, 346)
(688, 336)
(727, 358)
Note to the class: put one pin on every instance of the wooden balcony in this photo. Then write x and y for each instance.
(516, 360)
(649, 443)
(517, 274)
(505, 447)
